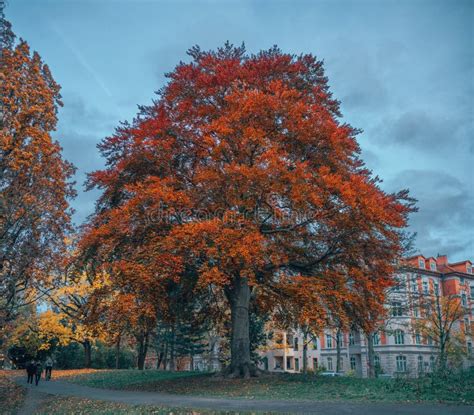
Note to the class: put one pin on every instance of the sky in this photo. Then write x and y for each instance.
(403, 71)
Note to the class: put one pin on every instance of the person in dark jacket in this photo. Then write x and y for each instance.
(39, 371)
(31, 371)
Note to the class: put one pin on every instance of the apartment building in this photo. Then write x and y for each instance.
(399, 347)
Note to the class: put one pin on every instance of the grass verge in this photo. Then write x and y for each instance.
(457, 388)
(76, 406)
(11, 395)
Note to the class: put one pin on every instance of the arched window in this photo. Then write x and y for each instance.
(328, 341)
(399, 337)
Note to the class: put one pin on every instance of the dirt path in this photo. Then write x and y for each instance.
(61, 388)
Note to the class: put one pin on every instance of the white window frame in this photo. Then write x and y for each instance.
(328, 341)
(330, 366)
(399, 337)
(401, 362)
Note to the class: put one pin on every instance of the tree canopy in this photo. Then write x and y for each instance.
(242, 175)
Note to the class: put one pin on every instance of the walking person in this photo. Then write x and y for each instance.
(39, 371)
(30, 370)
(48, 368)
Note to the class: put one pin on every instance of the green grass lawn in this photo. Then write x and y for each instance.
(127, 379)
(457, 389)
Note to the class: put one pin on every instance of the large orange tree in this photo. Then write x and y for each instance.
(35, 181)
(242, 174)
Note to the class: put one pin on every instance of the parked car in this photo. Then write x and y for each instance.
(332, 374)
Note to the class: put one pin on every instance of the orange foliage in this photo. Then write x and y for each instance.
(242, 172)
(34, 179)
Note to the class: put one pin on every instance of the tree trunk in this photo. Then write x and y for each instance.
(338, 350)
(239, 298)
(172, 349)
(305, 352)
(87, 353)
(142, 351)
(117, 352)
(442, 358)
(165, 357)
(159, 360)
(370, 356)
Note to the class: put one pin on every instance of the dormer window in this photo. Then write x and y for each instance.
(421, 263)
(433, 266)
(469, 269)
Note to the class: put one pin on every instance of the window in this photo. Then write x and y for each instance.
(297, 365)
(399, 337)
(351, 339)
(400, 283)
(421, 262)
(414, 285)
(330, 363)
(328, 341)
(339, 339)
(401, 364)
(376, 338)
(417, 338)
(436, 288)
(469, 348)
(397, 310)
(353, 363)
(469, 269)
(464, 299)
(341, 364)
(295, 343)
(289, 363)
(432, 362)
(472, 291)
(466, 325)
(415, 311)
(429, 340)
(315, 363)
(425, 287)
(420, 363)
(432, 266)
(377, 364)
(315, 344)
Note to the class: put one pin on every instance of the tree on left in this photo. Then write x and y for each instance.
(35, 180)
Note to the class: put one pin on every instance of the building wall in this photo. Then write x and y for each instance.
(421, 277)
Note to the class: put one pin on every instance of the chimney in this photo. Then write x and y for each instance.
(442, 260)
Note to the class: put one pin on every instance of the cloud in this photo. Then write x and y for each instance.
(445, 221)
(78, 115)
(358, 77)
(422, 130)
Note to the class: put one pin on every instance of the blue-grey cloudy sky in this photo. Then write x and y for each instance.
(402, 69)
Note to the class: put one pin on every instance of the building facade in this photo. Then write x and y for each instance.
(400, 347)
